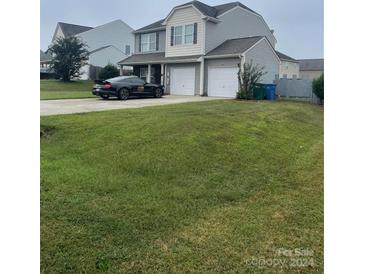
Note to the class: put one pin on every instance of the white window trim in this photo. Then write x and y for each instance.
(148, 43)
(192, 34)
(183, 34)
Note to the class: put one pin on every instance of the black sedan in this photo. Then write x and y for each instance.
(124, 87)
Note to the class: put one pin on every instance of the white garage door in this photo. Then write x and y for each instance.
(222, 81)
(182, 81)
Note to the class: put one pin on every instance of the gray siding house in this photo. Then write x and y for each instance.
(197, 49)
(107, 44)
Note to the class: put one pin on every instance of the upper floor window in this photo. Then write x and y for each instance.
(178, 36)
(148, 42)
(189, 34)
(186, 34)
(127, 49)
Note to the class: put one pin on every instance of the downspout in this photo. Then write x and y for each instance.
(243, 61)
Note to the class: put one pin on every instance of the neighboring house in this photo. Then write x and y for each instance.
(289, 67)
(107, 44)
(45, 59)
(311, 68)
(197, 48)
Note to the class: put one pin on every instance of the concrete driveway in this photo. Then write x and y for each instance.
(55, 107)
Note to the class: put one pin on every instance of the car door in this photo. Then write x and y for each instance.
(137, 86)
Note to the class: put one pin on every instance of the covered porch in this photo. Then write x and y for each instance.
(151, 73)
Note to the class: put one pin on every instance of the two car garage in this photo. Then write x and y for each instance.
(221, 81)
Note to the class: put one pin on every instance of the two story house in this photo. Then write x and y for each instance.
(289, 67)
(197, 49)
(107, 44)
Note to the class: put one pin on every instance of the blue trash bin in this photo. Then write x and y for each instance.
(270, 90)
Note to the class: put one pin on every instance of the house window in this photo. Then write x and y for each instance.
(189, 34)
(178, 35)
(148, 42)
(184, 34)
(127, 49)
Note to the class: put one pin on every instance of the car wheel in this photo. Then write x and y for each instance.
(123, 94)
(105, 97)
(158, 93)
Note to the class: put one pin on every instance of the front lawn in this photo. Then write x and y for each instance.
(55, 89)
(205, 187)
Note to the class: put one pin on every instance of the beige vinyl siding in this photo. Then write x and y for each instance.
(289, 68)
(185, 16)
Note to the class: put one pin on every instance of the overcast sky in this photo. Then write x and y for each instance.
(298, 24)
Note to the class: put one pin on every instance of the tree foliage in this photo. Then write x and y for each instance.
(318, 87)
(69, 55)
(248, 76)
(109, 71)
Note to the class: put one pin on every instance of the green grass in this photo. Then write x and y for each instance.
(55, 89)
(191, 188)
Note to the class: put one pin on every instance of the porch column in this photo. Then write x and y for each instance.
(121, 70)
(149, 74)
(162, 73)
(202, 65)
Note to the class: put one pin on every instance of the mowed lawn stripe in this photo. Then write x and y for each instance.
(198, 187)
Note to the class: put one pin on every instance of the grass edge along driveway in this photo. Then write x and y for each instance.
(193, 188)
(56, 89)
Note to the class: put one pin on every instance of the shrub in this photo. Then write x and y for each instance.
(68, 56)
(250, 76)
(109, 71)
(318, 87)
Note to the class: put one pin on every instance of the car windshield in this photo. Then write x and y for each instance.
(120, 78)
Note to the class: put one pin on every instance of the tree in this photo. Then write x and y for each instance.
(109, 71)
(68, 56)
(318, 87)
(248, 77)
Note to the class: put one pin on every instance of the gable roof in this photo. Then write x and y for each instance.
(311, 64)
(206, 10)
(235, 46)
(214, 11)
(155, 25)
(71, 29)
(284, 57)
(228, 6)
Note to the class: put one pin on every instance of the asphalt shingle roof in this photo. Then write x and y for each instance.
(284, 57)
(311, 64)
(155, 25)
(71, 29)
(211, 11)
(154, 58)
(235, 46)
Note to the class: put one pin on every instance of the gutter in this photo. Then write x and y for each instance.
(159, 62)
(149, 30)
(222, 56)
